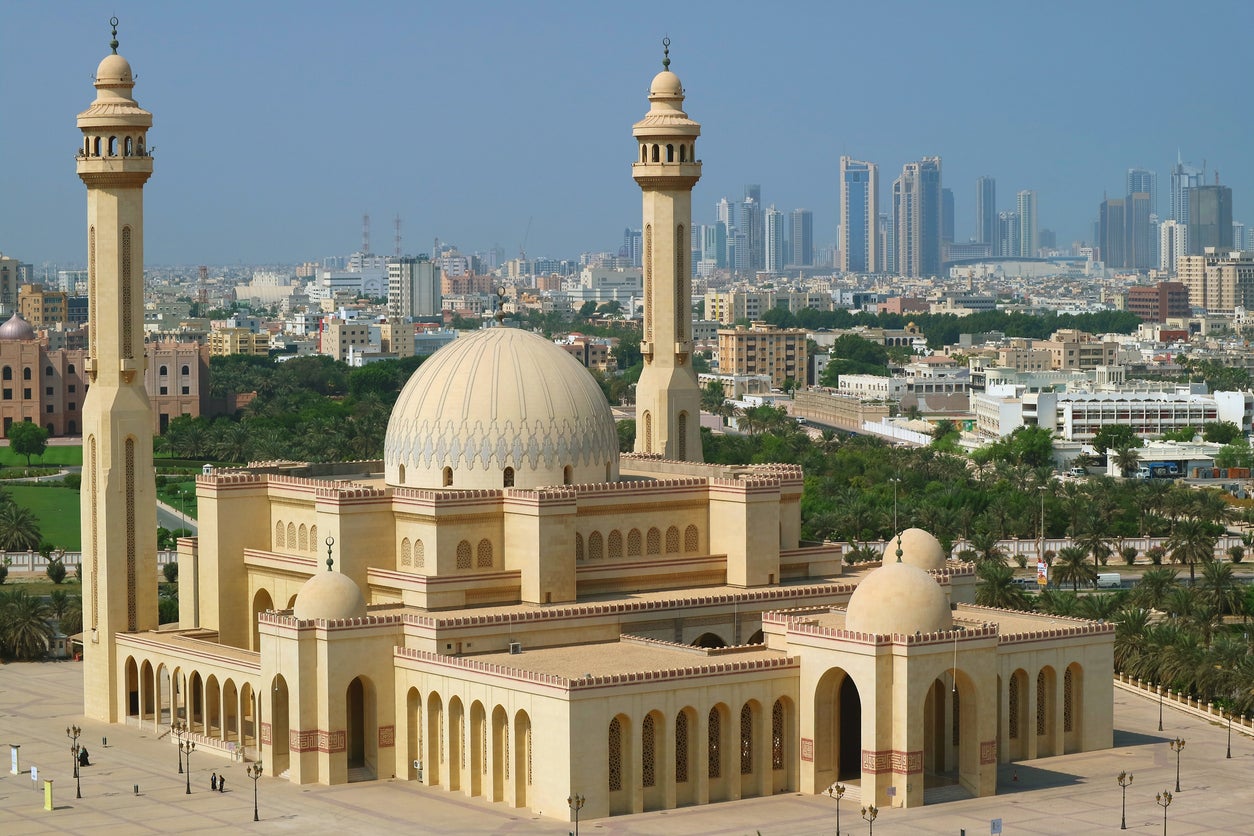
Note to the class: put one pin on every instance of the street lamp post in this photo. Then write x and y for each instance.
(1176, 746)
(1163, 799)
(868, 816)
(837, 791)
(178, 728)
(575, 802)
(1160, 707)
(1229, 755)
(1040, 548)
(72, 732)
(187, 749)
(254, 772)
(1124, 779)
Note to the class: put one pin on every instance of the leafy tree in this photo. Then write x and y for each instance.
(1182, 434)
(626, 435)
(1115, 436)
(1031, 446)
(588, 309)
(28, 439)
(55, 570)
(1236, 453)
(1219, 588)
(851, 354)
(1220, 432)
(171, 572)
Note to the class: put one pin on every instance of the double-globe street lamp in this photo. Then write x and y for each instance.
(1176, 746)
(868, 816)
(179, 728)
(1124, 779)
(1163, 799)
(187, 748)
(72, 732)
(575, 802)
(254, 772)
(837, 791)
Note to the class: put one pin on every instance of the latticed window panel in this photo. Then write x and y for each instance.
(681, 748)
(291, 535)
(578, 546)
(616, 755)
(956, 719)
(483, 750)
(313, 538)
(406, 554)
(633, 543)
(527, 742)
(777, 735)
(746, 740)
(647, 752)
(420, 554)
(692, 539)
(1068, 722)
(1040, 703)
(655, 541)
(615, 547)
(279, 538)
(302, 541)
(596, 546)
(714, 750)
(505, 748)
(463, 554)
(672, 540)
(483, 555)
(1013, 699)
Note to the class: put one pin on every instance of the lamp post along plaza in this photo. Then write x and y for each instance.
(178, 728)
(1124, 779)
(1176, 746)
(254, 772)
(1160, 707)
(72, 732)
(188, 748)
(1163, 799)
(868, 816)
(837, 791)
(576, 802)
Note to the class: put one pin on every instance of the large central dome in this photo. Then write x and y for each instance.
(500, 407)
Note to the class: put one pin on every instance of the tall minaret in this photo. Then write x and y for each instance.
(668, 400)
(119, 503)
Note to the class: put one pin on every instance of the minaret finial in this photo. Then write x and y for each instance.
(500, 305)
(330, 561)
(113, 21)
(666, 52)
(898, 546)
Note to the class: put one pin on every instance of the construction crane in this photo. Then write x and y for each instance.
(522, 248)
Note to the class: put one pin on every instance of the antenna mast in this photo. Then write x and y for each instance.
(398, 236)
(365, 234)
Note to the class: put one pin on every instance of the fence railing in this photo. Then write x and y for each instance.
(35, 562)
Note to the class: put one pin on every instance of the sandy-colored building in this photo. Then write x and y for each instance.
(764, 349)
(224, 342)
(507, 608)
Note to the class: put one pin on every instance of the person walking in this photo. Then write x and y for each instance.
(213, 782)
(222, 784)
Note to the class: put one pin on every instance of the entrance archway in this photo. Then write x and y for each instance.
(837, 730)
(360, 747)
(261, 603)
(951, 745)
(132, 688)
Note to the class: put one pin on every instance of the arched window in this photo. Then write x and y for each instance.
(616, 755)
(69, 369)
(655, 541)
(633, 543)
(672, 540)
(291, 535)
(567, 474)
(655, 153)
(186, 370)
(113, 146)
(483, 555)
(279, 541)
(746, 740)
(670, 153)
(681, 748)
(163, 371)
(128, 147)
(777, 735)
(1041, 724)
(448, 477)
(509, 477)
(648, 432)
(644, 153)
(578, 546)
(615, 548)
(714, 745)
(48, 370)
(1068, 723)
(594, 546)
(683, 153)
(401, 474)
(692, 539)
(463, 554)
(682, 431)
(1013, 706)
(648, 765)
(420, 555)
(8, 373)
(26, 373)
(313, 538)
(406, 556)
(95, 146)
(302, 538)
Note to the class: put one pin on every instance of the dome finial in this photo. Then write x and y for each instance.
(499, 316)
(330, 562)
(113, 21)
(666, 53)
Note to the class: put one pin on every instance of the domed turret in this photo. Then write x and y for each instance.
(330, 596)
(918, 548)
(500, 408)
(17, 329)
(898, 598)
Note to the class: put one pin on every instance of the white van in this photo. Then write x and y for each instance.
(1109, 580)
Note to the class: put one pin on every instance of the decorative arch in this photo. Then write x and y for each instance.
(262, 602)
(685, 747)
(672, 540)
(435, 740)
(648, 432)
(1046, 731)
(837, 729)
(633, 543)
(653, 767)
(401, 474)
(313, 538)
(620, 758)
(681, 443)
(783, 735)
(456, 742)
(717, 764)
(1073, 708)
(291, 535)
(522, 759)
(279, 726)
(579, 555)
(654, 543)
(483, 554)
(595, 546)
(302, 538)
(463, 554)
(478, 747)
(614, 549)
(448, 477)
(568, 475)
(508, 477)
(692, 539)
(413, 728)
(280, 539)
(420, 555)
(709, 640)
(407, 558)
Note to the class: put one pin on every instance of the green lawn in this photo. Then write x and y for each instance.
(69, 454)
(57, 510)
(172, 492)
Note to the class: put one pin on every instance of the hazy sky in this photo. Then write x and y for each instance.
(278, 124)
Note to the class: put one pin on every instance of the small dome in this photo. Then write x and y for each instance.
(918, 548)
(898, 598)
(329, 596)
(666, 83)
(497, 408)
(17, 329)
(114, 69)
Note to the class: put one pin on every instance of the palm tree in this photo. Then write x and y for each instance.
(1192, 543)
(1057, 602)
(1127, 459)
(25, 632)
(1219, 588)
(987, 548)
(1101, 607)
(997, 588)
(1071, 566)
(1152, 588)
(1095, 540)
(231, 441)
(19, 530)
(1130, 629)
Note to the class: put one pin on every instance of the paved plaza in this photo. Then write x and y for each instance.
(1069, 794)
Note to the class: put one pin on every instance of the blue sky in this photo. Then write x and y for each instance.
(277, 124)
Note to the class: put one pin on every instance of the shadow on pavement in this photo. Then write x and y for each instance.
(1020, 777)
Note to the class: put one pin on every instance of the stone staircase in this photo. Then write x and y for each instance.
(945, 793)
(360, 773)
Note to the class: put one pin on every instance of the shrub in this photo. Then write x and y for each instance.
(1156, 555)
(1022, 560)
(4, 572)
(1128, 553)
(56, 571)
(1237, 553)
(171, 572)
(73, 481)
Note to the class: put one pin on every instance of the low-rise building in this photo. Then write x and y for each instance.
(762, 349)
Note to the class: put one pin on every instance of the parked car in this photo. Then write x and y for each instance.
(1109, 580)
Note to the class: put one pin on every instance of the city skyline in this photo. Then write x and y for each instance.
(497, 122)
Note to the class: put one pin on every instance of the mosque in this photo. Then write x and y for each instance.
(506, 607)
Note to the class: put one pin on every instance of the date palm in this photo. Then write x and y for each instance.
(1219, 589)
(25, 631)
(1072, 566)
(1152, 588)
(996, 588)
(1192, 542)
(19, 530)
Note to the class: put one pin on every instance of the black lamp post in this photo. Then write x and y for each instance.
(178, 728)
(72, 732)
(1229, 755)
(187, 749)
(1160, 707)
(1124, 779)
(254, 772)
(1163, 800)
(837, 791)
(575, 802)
(868, 816)
(1176, 745)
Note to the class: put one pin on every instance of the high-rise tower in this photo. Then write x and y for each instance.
(917, 218)
(986, 211)
(859, 217)
(118, 502)
(1025, 202)
(668, 400)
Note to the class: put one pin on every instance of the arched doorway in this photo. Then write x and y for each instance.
(1046, 711)
(279, 753)
(413, 722)
(1017, 716)
(719, 761)
(1073, 708)
(837, 730)
(619, 765)
(951, 744)
(783, 743)
(360, 747)
(500, 752)
(261, 603)
(213, 706)
(456, 739)
(686, 760)
(522, 759)
(435, 739)
(709, 640)
(132, 688)
(147, 690)
(196, 703)
(478, 747)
